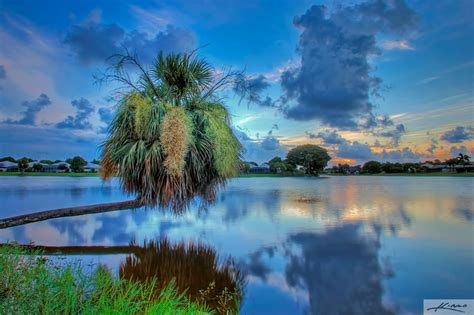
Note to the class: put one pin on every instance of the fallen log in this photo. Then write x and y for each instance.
(68, 212)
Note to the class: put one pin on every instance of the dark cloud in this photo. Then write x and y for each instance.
(250, 89)
(3, 72)
(454, 150)
(94, 42)
(433, 146)
(106, 115)
(32, 109)
(355, 150)
(328, 136)
(173, 39)
(81, 120)
(403, 155)
(394, 134)
(335, 81)
(458, 134)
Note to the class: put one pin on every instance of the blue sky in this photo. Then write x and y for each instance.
(387, 80)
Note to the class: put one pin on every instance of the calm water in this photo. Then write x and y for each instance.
(340, 245)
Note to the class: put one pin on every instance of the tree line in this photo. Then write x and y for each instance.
(311, 158)
(76, 163)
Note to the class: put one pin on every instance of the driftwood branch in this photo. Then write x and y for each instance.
(68, 212)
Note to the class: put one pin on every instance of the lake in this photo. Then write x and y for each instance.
(337, 245)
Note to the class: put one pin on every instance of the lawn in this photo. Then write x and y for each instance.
(48, 174)
(433, 174)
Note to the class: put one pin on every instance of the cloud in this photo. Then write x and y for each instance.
(251, 88)
(328, 136)
(340, 269)
(93, 41)
(81, 120)
(403, 155)
(397, 44)
(106, 115)
(46, 142)
(355, 151)
(270, 143)
(454, 150)
(334, 82)
(3, 72)
(32, 109)
(458, 134)
(394, 134)
(260, 150)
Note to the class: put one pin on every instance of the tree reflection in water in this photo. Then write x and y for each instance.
(195, 268)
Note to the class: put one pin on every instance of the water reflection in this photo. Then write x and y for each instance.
(340, 270)
(195, 269)
(368, 244)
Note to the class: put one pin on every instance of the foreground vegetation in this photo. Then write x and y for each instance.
(31, 284)
(156, 278)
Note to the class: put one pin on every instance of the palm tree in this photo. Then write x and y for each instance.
(170, 139)
(463, 159)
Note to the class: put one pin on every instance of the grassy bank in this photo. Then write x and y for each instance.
(31, 284)
(48, 174)
(434, 174)
(95, 174)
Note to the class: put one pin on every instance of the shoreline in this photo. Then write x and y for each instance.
(435, 174)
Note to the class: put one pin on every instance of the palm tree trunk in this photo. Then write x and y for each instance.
(68, 212)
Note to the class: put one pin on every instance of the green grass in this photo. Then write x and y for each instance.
(48, 174)
(32, 284)
(434, 174)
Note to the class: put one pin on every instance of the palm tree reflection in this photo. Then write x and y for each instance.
(195, 268)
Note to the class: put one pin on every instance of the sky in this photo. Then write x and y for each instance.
(368, 80)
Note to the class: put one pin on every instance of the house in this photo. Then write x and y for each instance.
(58, 167)
(7, 166)
(262, 168)
(91, 168)
(430, 167)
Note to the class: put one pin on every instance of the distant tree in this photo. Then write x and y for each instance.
(313, 157)
(37, 167)
(392, 167)
(77, 164)
(452, 162)
(57, 161)
(463, 159)
(63, 167)
(49, 162)
(276, 164)
(95, 161)
(372, 167)
(343, 168)
(9, 159)
(23, 164)
(244, 167)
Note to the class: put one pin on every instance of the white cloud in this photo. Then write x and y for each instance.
(397, 44)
